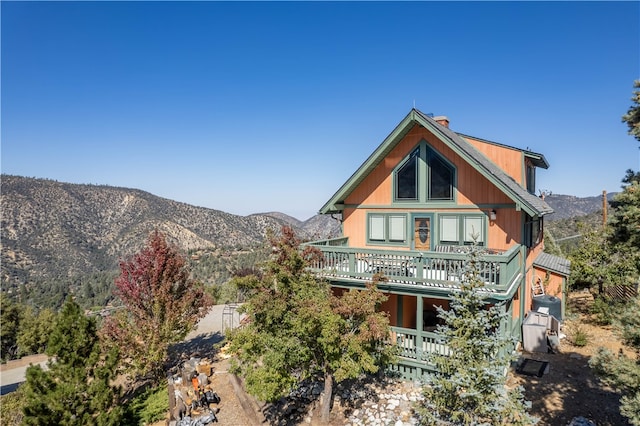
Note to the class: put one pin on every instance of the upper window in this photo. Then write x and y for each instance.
(407, 178)
(440, 178)
(531, 178)
(424, 176)
(533, 229)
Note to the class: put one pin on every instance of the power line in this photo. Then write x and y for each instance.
(569, 238)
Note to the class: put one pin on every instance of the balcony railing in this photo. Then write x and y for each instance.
(417, 347)
(434, 269)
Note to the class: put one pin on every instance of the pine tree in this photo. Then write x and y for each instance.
(76, 388)
(620, 371)
(469, 386)
(11, 315)
(632, 117)
(299, 330)
(35, 329)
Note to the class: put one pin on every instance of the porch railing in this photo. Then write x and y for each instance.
(417, 346)
(416, 268)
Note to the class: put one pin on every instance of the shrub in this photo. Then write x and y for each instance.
(579, 336)
(149, 407)
(11, 406)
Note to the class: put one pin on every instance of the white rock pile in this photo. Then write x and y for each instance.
(387, 404)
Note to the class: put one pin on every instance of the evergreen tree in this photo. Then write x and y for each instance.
(550, 244)
(619, 371)
(162, 304)
(624, 221)
(299, 330)
(35, 329)
(469, 386)
(11, 315)
(76, 388)
(598, 262)
(632, 117)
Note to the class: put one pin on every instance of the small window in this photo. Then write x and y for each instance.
(386, 228)
(531, 178)
(376, 228)
(449, 229)
(532, 231)
(397, 228)
(473, 230)
(462, 230)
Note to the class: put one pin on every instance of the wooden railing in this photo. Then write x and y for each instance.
(418, 268)
(418, 348)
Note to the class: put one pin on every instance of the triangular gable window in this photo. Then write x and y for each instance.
(424, 175)
(407, 178)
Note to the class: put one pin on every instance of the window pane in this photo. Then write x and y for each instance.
(473, 228)
(449, 229)
(376, 228)
(440, 179)
(531, 179)
(397, 226)
(407, 179)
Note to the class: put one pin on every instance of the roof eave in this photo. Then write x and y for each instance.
(335, 203)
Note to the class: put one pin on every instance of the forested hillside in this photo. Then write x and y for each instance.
(60, 238)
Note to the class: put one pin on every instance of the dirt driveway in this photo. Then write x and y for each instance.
(570, 388)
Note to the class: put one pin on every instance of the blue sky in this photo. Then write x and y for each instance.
(255, 107)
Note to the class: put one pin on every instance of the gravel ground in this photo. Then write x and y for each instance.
(236, 407)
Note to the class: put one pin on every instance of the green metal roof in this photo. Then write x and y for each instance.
(528, 202)
(553, 263)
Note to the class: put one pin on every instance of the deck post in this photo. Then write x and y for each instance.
(419, 326)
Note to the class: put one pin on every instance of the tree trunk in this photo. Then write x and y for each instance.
(325, 409)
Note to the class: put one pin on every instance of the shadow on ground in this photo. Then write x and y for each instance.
(201, 346)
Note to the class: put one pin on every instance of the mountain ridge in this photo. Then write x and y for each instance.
(58, 231)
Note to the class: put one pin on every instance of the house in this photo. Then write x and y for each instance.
(412, 210)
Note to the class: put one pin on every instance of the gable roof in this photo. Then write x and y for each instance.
(536, 158)
(528, 202)
(552, 263)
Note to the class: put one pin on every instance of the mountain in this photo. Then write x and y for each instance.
(60, 231)
(568, 206)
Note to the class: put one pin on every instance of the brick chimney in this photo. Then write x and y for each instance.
(442, 120)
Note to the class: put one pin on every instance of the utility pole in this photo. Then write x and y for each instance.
(604, 208)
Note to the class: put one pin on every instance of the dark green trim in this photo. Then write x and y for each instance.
(400, 313)
(431, 206)
(412, 231)
(404, 127)
(415, 290)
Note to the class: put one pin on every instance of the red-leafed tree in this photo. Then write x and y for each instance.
(161, 305)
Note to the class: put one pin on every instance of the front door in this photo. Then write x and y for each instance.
(422, 232)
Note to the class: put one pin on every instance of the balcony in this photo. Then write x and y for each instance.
(440, 270)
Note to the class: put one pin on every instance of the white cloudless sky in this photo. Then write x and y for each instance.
(250, 107)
